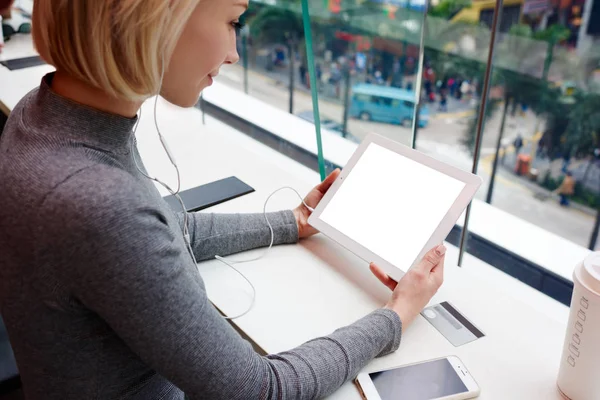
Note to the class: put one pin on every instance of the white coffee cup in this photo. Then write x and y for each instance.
(579, 374)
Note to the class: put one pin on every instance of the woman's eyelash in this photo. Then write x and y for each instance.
(237, 25)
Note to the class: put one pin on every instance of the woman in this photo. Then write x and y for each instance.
(100, 296)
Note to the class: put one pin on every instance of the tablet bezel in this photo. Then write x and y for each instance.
(472, 184)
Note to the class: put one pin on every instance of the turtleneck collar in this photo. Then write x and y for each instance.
(69, 119)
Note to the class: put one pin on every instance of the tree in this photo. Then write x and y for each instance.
(523, 50)
(519, 86)
(475, 69)
(353, 9)
(448, 8)
(583, 128)
(573, 126)
(277, 25)
(552, 35)
(572, 122)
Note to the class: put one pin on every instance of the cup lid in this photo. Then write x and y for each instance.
(590, 273)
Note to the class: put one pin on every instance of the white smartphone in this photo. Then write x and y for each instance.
(441, 379)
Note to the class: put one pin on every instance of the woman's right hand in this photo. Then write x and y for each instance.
(412, 293)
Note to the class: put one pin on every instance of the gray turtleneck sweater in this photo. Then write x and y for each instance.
(100, 297)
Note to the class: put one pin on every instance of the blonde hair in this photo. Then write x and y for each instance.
(115, 45)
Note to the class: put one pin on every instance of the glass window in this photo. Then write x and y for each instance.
(540, 138)
(382, 101)
(540, 131)
(363, 97)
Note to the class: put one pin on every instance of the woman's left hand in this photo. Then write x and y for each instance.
(312, 199)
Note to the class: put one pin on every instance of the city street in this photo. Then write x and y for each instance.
(442, 140)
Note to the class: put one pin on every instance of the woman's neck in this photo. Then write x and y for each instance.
(80, 92)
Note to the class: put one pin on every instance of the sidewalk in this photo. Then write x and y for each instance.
(540, 192)
(543, 194)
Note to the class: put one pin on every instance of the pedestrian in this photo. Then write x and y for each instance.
(566, 189)
(443, 85)
(451, 86)
(303, 74)
(429, 74)
(428, 88)
(432, 97)
(518, 144)
(279, 57)
(457, 89)
(524, 108)
(465, 88)
(379, 78)
(443, 101)
(361, 61)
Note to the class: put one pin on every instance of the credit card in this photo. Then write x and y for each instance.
(452, 324)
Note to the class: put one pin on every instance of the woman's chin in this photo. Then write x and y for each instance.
(185, 100)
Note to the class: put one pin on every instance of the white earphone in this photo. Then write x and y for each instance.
(175, 193)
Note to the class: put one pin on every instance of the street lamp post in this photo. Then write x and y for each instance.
(594, 237)
(547, 63)
(347, 83)
(245, 32)
(546, 70)
(464, 237)
(292, 71)
(202, 109)
(488, 198)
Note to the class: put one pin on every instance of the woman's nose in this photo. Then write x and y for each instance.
(232, 56)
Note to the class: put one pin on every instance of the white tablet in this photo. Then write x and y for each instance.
(391, 204)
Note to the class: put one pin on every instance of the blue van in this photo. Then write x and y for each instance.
(386, 104)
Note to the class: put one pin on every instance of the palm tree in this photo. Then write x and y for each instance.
(277, 25)
(519, 55)
(448, 8)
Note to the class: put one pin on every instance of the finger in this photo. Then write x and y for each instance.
(438, 271)
(383, 277)
(432, 259)
(441, 263)
(326, 184)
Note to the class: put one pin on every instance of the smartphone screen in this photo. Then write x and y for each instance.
(211, 194)
(425, 381)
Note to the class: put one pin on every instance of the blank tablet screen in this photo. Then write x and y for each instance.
(391, 204)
